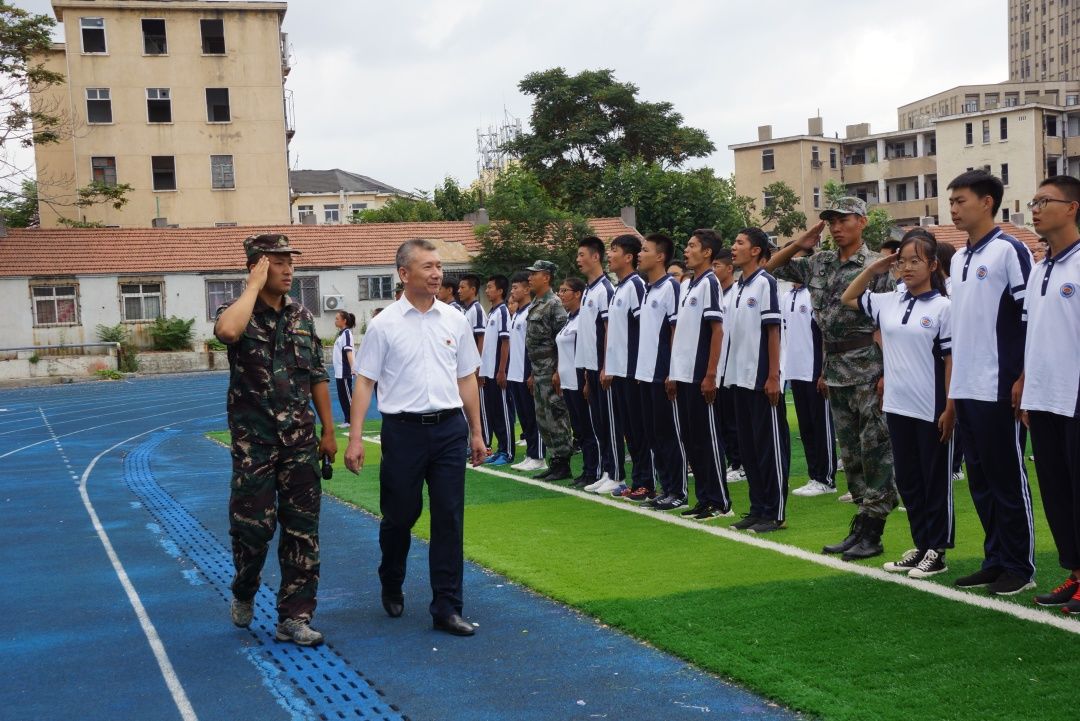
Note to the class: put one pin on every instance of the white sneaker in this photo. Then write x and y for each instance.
(735, 475)
(532, 464)
(958, 476)
(599, 482)
(520, 465)
(343, 425)
(522, 443)
(839, 464)
(813, 488)
(607, 487)
(846, 498)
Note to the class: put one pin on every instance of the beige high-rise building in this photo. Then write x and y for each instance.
(1044, 40)
(184, 100)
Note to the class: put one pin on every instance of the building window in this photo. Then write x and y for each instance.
(767, 161)
(1051, 166)
(217, 105)
(356, 208)
(331, 213)
(158, 105)
(220, 292)
(376, 287)
(1051, 125)
(305, 211)
(832, 158)
(213, 36)
(1005, 215)
(815, 156)
(1004, 128)
(986, 131)
(140, 301)
(163, 168)
(305, 290)
(153, 33)
(93, 35)
(103, 170)
(98, 105)
(817, 197)
(901, 192)
(221, 172)
(933, 145)
(56, 304)
(968, 134)
(767, 200)
(1005, 173)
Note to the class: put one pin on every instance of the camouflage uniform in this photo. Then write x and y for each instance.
(851, 375)
(546, 318)
(272, 368)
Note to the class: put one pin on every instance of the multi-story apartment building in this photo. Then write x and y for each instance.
(322, 197)
(184, 100)
(1044, 40)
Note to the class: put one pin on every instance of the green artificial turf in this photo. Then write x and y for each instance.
(828, 643)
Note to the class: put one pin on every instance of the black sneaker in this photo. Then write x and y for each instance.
(711, 511)
(654, 503)
(908, 561)
(1060, 595)
(982, 577)
(582, 481)
(767, 526)
(670, 504)
(1073, 606)
(1010, 584)
(932, 564)
(745, 522)
(698, 508)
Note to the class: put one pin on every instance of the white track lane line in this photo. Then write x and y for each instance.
(54, 422)
(1063, 623)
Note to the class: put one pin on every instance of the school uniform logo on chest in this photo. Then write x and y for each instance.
(1068, 290)
(751, 303)
(981, 272)
(618, 303)
(589, 303)
(803, 309)
(925, 322)
(693, 301)
(655, 304)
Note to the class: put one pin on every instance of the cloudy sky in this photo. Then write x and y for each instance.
(397, 90)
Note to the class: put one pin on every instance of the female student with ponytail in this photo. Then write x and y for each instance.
(343, 361)
(916, 341)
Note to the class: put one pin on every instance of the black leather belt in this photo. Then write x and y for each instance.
(842, 346)
(428, 419)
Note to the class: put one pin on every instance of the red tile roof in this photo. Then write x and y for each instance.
(958, 238)
(82, 251)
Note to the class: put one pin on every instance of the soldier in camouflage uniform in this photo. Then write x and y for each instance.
(853, 365)
(546, 318)
(275, 372)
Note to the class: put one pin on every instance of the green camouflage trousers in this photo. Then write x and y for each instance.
(864, 447)
(272, 484)
(551, 415)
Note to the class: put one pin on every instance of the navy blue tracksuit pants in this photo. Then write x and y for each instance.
(699, 431)
(816, 431)
(994, 449)
(606, 427)
(765, 446)
(578, 409)
(666, 453)
(413, 453)
(628, 408)
(499, 415)
(525, 408)
(923, 472)
(729, 430)
(1055, 439)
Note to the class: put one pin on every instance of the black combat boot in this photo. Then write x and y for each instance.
(560, 470)
(851, 539)
(869, 544)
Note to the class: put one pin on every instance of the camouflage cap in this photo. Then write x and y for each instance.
(255, 245)
(544, 265)
(848, 205)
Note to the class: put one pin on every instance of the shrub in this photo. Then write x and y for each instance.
(109, 374)
(172, 333)
(213, 343)
(128, 359)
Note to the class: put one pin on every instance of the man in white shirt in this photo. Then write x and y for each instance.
(421, 353)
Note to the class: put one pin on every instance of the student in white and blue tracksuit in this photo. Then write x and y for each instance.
(571, 380)
(751, 371)
(989, 283)
(494, 364)
(519, 371)
(344, 368)
(1051, 396)
(469, 299)
(916, 338)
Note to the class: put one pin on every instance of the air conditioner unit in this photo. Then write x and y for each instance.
(333, 302)
(927, 221)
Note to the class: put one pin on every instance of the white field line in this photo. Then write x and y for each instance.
(989, 603)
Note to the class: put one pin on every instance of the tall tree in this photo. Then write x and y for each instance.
(583, 123)
(781, 214)
(454, 202)
(19, 210)
(400, 210)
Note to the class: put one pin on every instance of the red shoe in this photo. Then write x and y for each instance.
(1072, 608)
(640, 494)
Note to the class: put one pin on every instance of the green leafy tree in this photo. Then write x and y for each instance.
(454, 202)
(583, 123)
(19, 210)
(879, 223)
(781, 216)
(400, 210)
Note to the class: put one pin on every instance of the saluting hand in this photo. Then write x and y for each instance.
(354, 454)
(812, 237)
(257, 276)
(883, 264)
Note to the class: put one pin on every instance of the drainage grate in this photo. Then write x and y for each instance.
(331, 687)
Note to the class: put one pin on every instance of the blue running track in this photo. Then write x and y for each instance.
(114, 535)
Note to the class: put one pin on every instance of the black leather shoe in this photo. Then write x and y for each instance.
(559, 470)
(393, 604)
(453, 624)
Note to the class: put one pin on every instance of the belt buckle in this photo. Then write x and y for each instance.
(429, 419)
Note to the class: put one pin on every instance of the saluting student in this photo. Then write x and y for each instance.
(695, 355)
(916, 335)
(1051, 396)
(659, 309)
(801, 357)
(751, 371)
(569, 380)
(989, 285)
(620, 363)
(520, 369)
(494, 363)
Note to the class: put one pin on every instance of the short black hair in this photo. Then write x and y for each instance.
(945, 253)
(472, 280)
(723, 256)
(664, 246)
(501, 282)
(982, 184)
(520, 276)
(628, 243)
(594, 244)
(710, 240)
(680, 263)
(448, 283)
(759, 239)
(1068, 185)
(576, 284)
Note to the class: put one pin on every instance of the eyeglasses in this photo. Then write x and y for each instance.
(913, 263)
(1040, 203)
